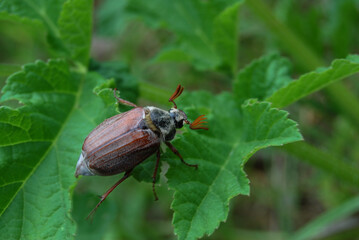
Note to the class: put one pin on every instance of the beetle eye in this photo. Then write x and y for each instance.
(179, 124)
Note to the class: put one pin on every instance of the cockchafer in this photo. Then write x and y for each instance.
(123, 141)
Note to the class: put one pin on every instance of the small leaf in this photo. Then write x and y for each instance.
(201, 197)
(43, 141)
(314, 81)
(262, 78)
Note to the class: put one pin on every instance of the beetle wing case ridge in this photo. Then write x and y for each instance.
(118, 144)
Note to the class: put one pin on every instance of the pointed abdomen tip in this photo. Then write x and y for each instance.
(81, 167)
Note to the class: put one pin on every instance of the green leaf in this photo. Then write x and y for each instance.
(201, 27)
(47, 12)
(262, 78)
(144, 171)
(68, 23)
(113, 16)
(41, 144)
(201, 197)
(314, 81)
(125, 82)
(326, 221)
(225, 35)
(75, 25)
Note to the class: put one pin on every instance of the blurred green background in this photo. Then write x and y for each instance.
(286, 193)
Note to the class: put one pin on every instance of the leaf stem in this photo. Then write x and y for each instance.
(301, 53)
(325, 161)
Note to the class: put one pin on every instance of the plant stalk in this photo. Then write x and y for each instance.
(346, 102)
(324, 161)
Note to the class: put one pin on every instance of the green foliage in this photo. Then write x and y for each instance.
(44, 11)
(49, 107)
(327, 220)
(315, 81)
(203, 196)
(42, 140)
(69, 30)
(120, 72)
(209, 43)
(262, 78)
(75, 29)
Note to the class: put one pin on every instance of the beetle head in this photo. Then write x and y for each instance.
(180, 117)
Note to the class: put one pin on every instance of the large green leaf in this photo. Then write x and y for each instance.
(314, 81)
(262, 78)
(201, 197)
(68, 23)
(40, 146)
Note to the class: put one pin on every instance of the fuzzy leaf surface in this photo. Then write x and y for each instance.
(40, 146)
(314, 81)
(201, 197)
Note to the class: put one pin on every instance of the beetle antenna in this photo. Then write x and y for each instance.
(197, 124)
(176, 94)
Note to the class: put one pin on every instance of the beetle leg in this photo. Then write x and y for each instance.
(155, 174)
(174, 150)
(104, 196)
(124, 102)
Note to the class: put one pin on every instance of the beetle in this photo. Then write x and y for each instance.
(125, 140)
